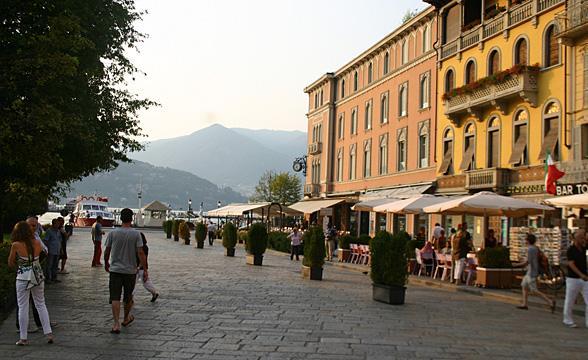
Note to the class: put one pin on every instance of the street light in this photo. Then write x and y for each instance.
(218, 205)
(189, 208)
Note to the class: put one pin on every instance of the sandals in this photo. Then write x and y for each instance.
(115, 331)
(50, 339)
(22, 342)
(129, 321)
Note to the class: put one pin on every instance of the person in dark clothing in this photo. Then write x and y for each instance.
(147, 284)
(490, 241)
(577, 279)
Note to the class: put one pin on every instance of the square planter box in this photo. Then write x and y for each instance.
(343, 255)
(494, 278)
(231, 252)
(314, 273)
(254, 259)
(393, 295)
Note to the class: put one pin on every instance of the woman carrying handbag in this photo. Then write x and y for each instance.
(24, 256)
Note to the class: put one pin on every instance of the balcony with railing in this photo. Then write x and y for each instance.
(494, 178)
(315, 148)
(496, 22)
(312, 190)
(473, 98)
(573, 22)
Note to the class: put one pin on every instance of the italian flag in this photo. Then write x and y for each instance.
(552, 174)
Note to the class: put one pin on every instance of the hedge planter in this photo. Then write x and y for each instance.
(494, 278)
(230, 252)
(393, 295)
(229, 235)
(314, 273)
(200, 244)
(343, 255)
(254, 259)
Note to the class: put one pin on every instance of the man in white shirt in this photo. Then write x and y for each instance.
(437, 231)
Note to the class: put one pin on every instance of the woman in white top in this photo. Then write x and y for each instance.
(295, 241)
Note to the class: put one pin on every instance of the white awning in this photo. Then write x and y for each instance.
(369, 205)
(403, 192)
(311, 206)
(257, 208)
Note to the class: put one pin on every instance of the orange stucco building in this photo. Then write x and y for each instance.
(372, 125)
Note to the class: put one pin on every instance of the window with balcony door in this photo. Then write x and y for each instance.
(424, 91)
(386, 62)
(449, 80)
(447, 163)
(403, 100)
(383, 155)
(470, 72)
(493, 148)
(316, 100)
(451, 24)
(493, 62)
(550, 47)
(404, 58)
(341, 126)
(551, 121)
(423, 144)
(384, 108)
(355, 81)
(401, 150)
(342, 88)
(352, 162)
(340, 165)
(370, 73)
(367, 158)
(468, 161)
(354, 121)
(520, 152)
(521, 52)
(368, 115)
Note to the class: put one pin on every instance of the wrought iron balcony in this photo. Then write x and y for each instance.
(312, 190)
(523, 85)
(315, 148)
(573, 23)
(494, 178)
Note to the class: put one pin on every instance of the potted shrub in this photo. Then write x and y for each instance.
(176, 229)
(344, 252)
(256, 244)
(200, 235)
(230, 238)
(494, 268)
(184, 232)
(167, 228)
(314, 253)
(389, 270)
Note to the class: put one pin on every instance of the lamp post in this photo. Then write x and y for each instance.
(189, 208)
(218, 205)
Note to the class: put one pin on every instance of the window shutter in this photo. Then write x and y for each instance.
(452, 24)
(549, 142)
(468, 157)
(446, 158)
(519, 147)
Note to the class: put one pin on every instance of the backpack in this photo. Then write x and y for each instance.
(543, 262)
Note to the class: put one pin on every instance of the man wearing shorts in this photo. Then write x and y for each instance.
(123, 246)
(529, 283)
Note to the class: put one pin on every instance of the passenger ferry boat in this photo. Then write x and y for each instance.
(87, 208)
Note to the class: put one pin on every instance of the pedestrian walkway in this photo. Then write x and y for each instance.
(215, 307)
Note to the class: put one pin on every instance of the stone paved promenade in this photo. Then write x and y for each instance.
(214, 307)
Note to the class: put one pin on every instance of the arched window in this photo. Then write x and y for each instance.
(521, 52)
(520, 153)
(401, 149)
(386, 62)
(493, 62)
(493, 156)
(367, 158)
(341, 126)
(370, 72)
(340, 165)
(551, 125)
(468, 161)
(426, 39)
(551, 46)
(321, 97)
(403, 100)
(446, 166)
(384, 108)
(449, 80)
(368, 115)
(404, 52)
(342, 88)
(424, 91)
(355, 81)
(383, 155)
(470, 73)
(352, 162)
(423, 144)
(354, 121)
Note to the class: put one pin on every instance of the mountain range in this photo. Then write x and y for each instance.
(167, 185)
(233, 158)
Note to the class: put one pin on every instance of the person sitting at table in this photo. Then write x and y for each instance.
(440, 241)
(427, 254)
(490, 241)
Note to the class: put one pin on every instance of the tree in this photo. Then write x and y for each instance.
(65, 111)
(283, 188)
(410, 13)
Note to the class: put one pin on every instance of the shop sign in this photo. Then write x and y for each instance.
(525, 189)
(571, 189)
(326, 212)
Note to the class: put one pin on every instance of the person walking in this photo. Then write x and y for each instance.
(64, 239)
(53, 239)
(529, 283)
(577, 279)
(211, 232)
(97, 233)
(295, 240)
(147, 284)
(124, 245)
(24, 255)
(460, 249)
(331, 238)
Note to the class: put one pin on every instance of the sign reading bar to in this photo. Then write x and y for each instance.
(571, 189)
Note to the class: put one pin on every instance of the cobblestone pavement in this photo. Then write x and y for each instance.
(215, 307)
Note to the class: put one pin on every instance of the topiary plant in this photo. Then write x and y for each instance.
(364, 239)
(184, 232)
(345, 241)
(200, 234)
(494, 258)
(389, 259)
(256, 239)
(314, 247)
(229, 236)
(176, 229)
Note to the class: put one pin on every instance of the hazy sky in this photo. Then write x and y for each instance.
(245, 63)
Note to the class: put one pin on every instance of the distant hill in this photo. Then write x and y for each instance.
(228, 157)
(167, 185)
